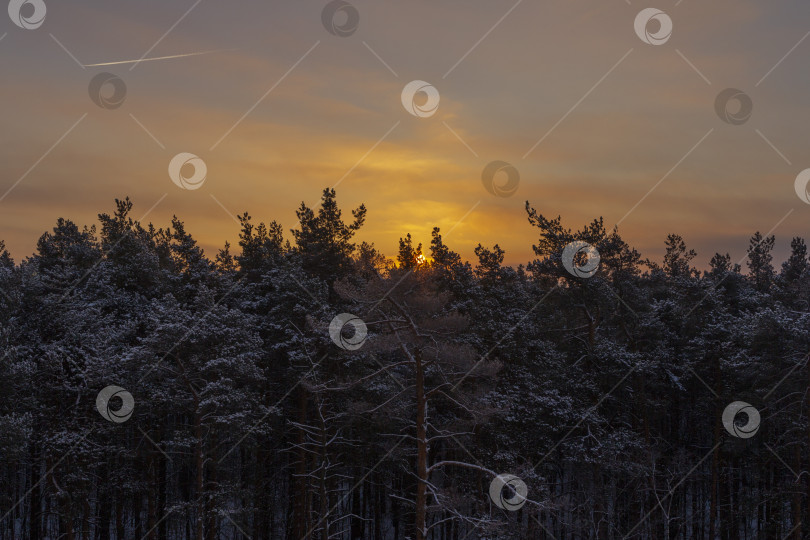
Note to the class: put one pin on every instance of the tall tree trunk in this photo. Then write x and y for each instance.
(119, 516)
(266, 510)
(600, 514)
(64, 505)
(161, 494)
(421, 449)
(807, 451)
(300, 510)
(715, 458)
(379, 507)
(66, 518)
(136, 512)
(323, 493)
(104, 510)
(150, 501)
(715, 478)
(211, 516)
(357, 511)
(797, 495)
(36, 495)
(86, 517)
(199, 462)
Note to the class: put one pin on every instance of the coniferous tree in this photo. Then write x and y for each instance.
(603, 392)
(324, 240)
(759, 261)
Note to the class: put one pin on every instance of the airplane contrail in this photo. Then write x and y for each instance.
(157, 58)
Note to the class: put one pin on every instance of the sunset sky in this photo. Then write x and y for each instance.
(509, 74)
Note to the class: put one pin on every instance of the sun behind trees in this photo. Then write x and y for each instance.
(597, 377)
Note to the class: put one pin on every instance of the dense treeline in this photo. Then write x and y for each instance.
(603, 394)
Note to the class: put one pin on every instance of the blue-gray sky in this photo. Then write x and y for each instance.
(326, 118)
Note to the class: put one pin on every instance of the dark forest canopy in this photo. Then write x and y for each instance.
(600, 382)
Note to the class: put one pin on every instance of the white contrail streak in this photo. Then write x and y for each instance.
(157, 58)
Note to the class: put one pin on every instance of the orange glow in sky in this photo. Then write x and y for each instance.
(596, 121)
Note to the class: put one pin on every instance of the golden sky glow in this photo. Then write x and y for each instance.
(315, 127)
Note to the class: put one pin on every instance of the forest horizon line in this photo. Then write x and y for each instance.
(246, 217)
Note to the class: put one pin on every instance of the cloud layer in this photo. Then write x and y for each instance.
(325, 121)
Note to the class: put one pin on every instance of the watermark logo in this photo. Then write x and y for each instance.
(348, 343)
(500, 168)
(430, 102)
(121, 414)
(573, 255)
(28, 14)
(730, 114)
(642, 26)
(508, 492)
(340, 18)
(184, 160)
(108, 91)
(802, 186)
(751, 426)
